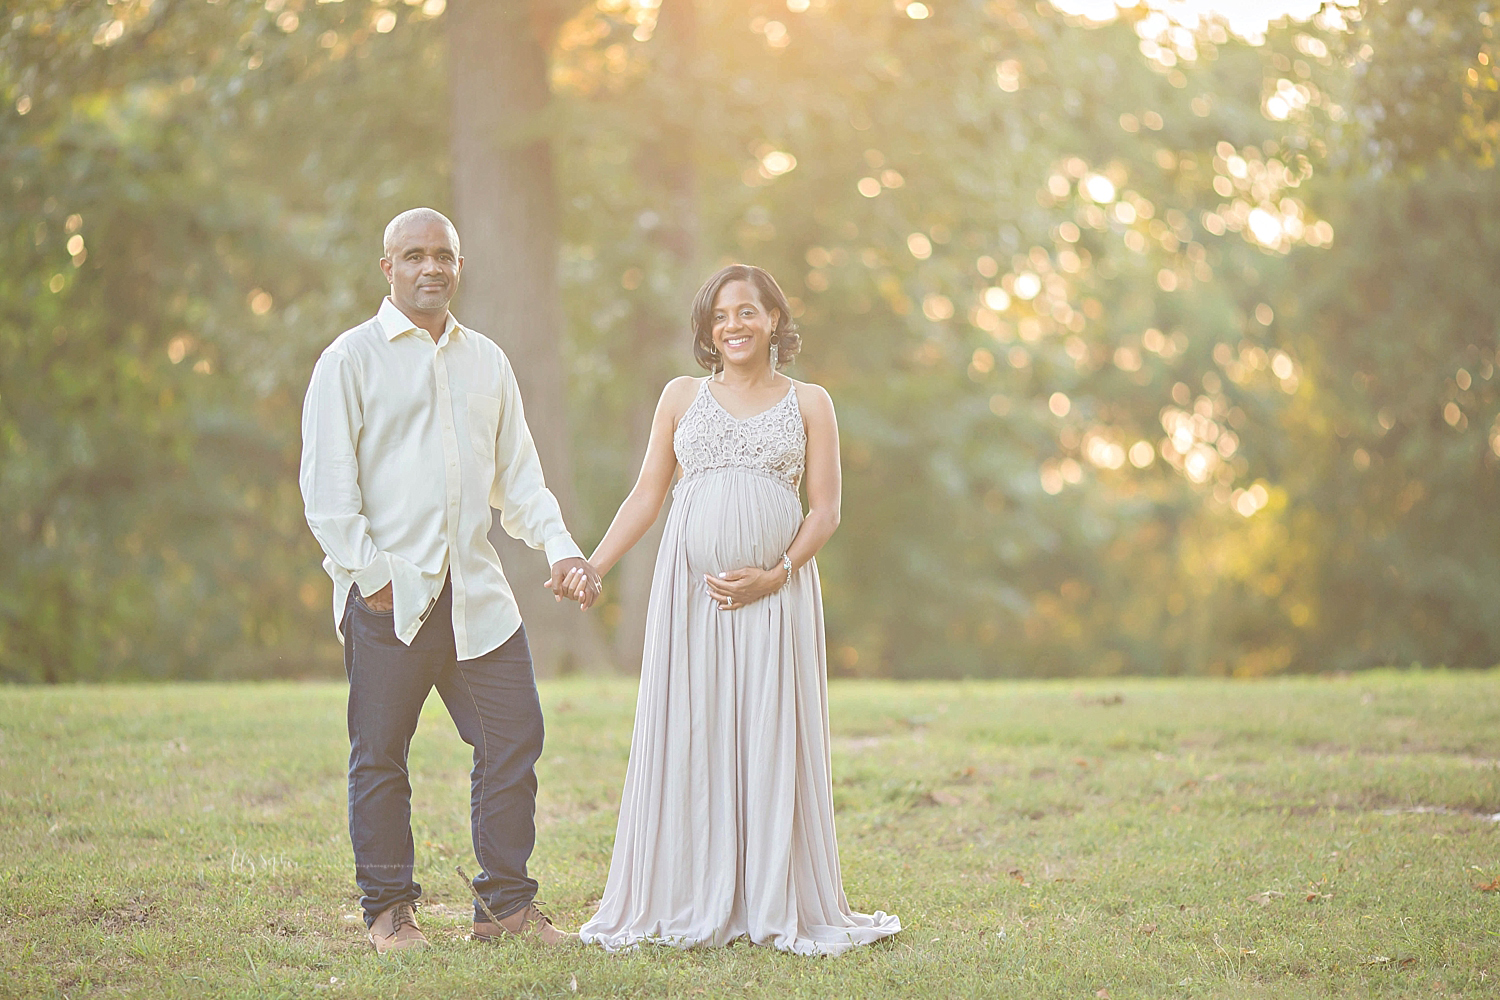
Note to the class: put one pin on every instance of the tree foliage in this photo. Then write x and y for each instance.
(1154, 350)
(188, 212)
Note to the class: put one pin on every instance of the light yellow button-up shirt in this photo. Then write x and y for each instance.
(406, 445)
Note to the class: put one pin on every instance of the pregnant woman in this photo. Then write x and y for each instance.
(726, 821)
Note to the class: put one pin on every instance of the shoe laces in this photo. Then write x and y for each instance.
(540, 914)
(405, 916)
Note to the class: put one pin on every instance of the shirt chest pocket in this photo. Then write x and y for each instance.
(484, 424)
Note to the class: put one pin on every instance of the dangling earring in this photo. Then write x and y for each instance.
(775, 354)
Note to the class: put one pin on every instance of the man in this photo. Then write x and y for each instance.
(412, 430)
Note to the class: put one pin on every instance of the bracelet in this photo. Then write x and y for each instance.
(786, 561)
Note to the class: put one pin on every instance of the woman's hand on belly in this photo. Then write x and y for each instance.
(739, 587)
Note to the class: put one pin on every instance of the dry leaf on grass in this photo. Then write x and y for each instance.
(1102, 992)
(1020, 877)
(1387, 960)
(1313, 893)
(1493, 886)
(1264, 898)
(1148, 929)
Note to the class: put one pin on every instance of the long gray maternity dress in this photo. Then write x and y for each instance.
(726, 821)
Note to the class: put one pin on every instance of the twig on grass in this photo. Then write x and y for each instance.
(482, 904)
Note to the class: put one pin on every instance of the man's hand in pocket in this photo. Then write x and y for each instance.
(380, 601)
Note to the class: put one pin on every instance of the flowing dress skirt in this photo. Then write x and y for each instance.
(726, 821)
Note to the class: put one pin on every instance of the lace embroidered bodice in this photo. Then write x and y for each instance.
(772, 443)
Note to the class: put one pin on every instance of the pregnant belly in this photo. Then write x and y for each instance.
(733, 519)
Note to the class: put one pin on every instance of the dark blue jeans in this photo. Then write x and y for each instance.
(493, 701)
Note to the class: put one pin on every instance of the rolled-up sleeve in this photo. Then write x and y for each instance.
(528, 510)
(329, 477)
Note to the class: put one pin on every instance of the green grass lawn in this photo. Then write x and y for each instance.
(1302, 837)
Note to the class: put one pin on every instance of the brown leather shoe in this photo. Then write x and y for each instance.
(396, 930)
(527, 922)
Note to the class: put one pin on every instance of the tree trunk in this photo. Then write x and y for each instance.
(638, 566)
(505, 204)
(665, 163)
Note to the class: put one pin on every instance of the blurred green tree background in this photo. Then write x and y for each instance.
(1156, 349)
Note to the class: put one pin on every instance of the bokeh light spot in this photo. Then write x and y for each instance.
(777, 163)
(1098, 188)
(1008, 75)
(937, 307)
(996, 299)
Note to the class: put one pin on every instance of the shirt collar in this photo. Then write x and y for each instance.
(393, 322)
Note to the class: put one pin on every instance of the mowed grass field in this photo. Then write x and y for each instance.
(1134, 838)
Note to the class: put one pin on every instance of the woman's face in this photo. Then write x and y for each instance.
(742, 327)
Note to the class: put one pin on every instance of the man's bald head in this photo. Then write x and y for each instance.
(413, 216)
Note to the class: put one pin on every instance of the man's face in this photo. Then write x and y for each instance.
(423, 267)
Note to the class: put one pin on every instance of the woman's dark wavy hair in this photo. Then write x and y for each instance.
(788, 341)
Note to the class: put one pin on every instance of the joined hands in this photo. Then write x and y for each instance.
(576, 580)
